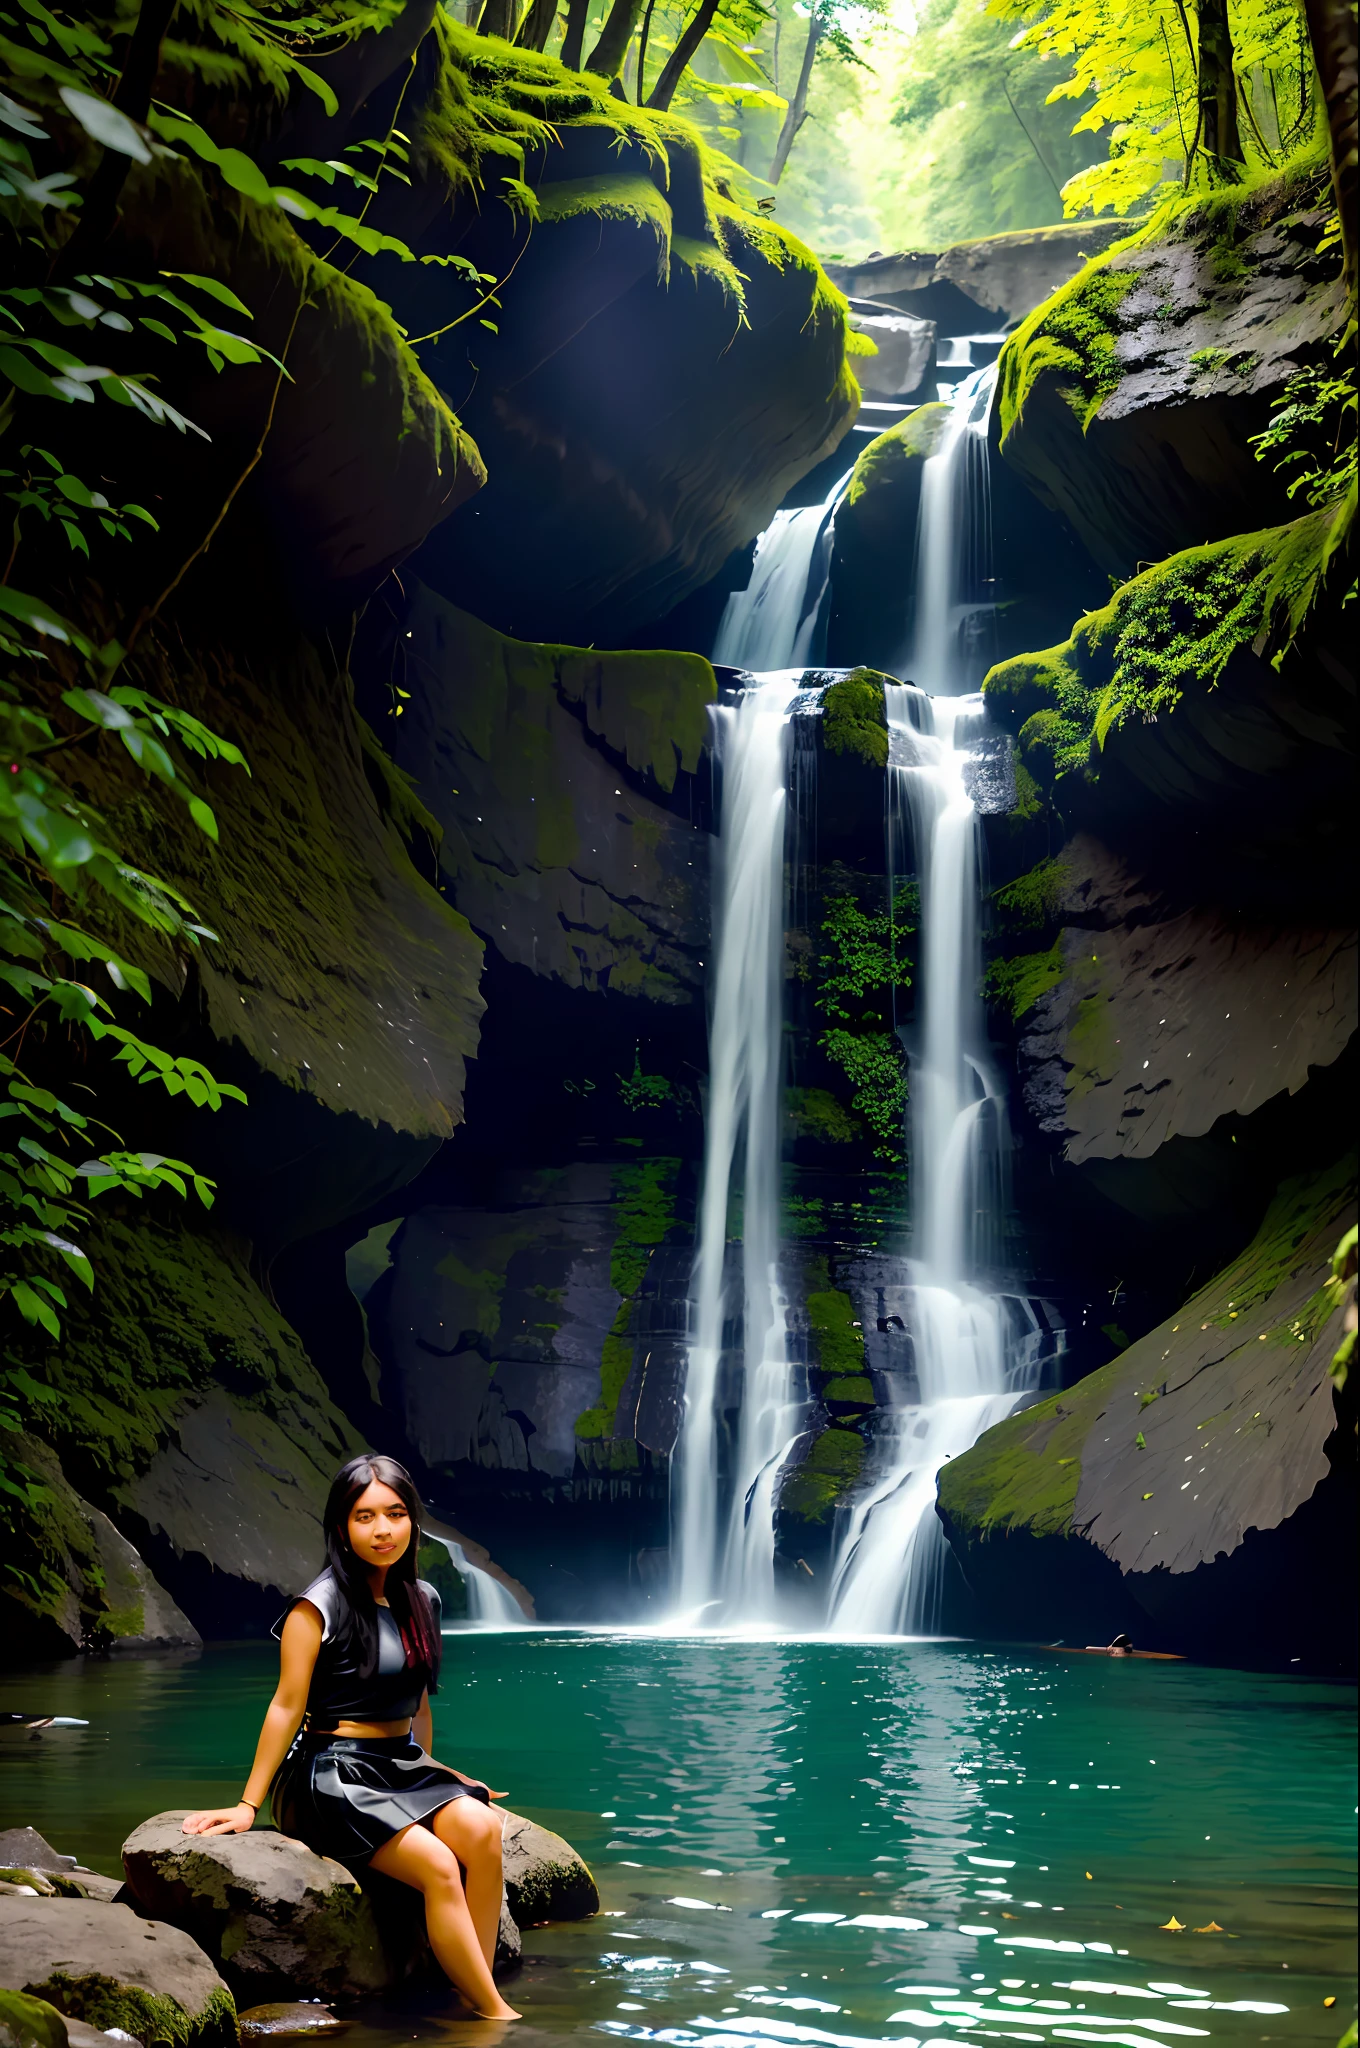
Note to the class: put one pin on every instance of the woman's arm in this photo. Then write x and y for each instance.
(298, 1651)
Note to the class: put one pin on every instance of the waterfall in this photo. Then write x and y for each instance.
(975, 1349)
(489, 1603)
(772, 624)
(724, 1539)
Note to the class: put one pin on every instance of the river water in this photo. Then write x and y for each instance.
(829, 1844)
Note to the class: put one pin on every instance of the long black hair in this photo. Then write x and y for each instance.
(410, 1608)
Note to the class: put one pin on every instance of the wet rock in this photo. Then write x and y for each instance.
(545, 1879)
(278, 1917)
(906, 351)
(27, 1848)
(288, 2021)
(102, 1964)
(282, 1921)
(1187, 1491)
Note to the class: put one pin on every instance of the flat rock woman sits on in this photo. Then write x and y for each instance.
(360, 1658)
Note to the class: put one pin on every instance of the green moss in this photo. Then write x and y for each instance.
(1032, 901)
(1024, 1473)
(1017, 984)
(1090, 1047)
(1166, 633)
(1029, 797)
(856, 1392)
(839, 1344)
(650, 708)
(28, 2022)
(815, 1113)
(830, 1469)
(157, 2021)
(855, 719)
(886, 457)
(1301, 1208)
(1074, 334)
(614, 195)
(645, 1214)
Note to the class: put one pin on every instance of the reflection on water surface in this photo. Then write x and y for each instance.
(829, 1843)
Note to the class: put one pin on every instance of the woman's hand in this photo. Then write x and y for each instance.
(221, 1820)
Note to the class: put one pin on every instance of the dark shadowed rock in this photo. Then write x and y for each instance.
(545, 1879)
(102, 1964)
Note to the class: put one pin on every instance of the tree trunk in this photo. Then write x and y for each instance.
(1332, 32)
(673, 70)
(1219, 134)
(131, 96)
(499, 18)
(797, 113)
(537, 25)
(641, 93)
(608, 54)
(576, 33)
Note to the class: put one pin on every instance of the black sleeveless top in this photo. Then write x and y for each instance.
(337, 1691)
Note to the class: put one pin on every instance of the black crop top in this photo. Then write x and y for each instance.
(337, 1691)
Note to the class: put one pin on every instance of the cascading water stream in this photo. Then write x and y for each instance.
(772, 624)
(724, 1537)
(489, 1603)
(975, 1350)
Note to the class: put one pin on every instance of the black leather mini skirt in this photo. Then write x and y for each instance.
(345, 1795)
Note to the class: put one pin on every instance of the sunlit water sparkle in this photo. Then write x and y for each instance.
(769, 1818)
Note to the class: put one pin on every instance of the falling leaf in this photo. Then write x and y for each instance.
(1329, 2001)
(1010, 1916)
(1141, 1441)
(1147, 1496)
(1212, 1928)
(1172, 1926)
(1089, 1876)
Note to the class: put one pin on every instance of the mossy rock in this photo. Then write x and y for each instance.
(30, 2022)
(854, 718)
(810, 1493)
(1165, 635)
(102, 1964)
(1175, 1477)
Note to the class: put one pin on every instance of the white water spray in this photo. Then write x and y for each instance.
(724, 1536)
(975, 1350)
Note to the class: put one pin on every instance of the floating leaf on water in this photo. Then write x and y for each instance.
(1212, 1928)
(1172, 1926)
(1089, 1876)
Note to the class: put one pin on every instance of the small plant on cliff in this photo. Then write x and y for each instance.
(861, 963)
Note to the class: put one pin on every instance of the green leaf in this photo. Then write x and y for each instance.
(34, 1309)
(215, 289)
(42, 618)
(202, 816)
(238, 170)
(104, 124)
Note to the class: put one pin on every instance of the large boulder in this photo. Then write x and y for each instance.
(989, 283)
(1191, 1490)
(280, 1920)
(545, 1879)
(1128, 400)
(283, 1922)
(102, 1964)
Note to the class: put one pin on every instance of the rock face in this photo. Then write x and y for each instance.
(1128, 401)
(1166, 1019)
(110, 1600)
(1188, 1491)
(101, 1964)
(553, 774)
(906, 351)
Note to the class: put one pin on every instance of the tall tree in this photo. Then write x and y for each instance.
(798, 105)
(608, 54)
(1332, 32)
(675, 66)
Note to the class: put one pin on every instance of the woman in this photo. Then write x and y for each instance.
(359, 1659)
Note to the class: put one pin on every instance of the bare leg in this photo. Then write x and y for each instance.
(420, 1859)
(473, 1832)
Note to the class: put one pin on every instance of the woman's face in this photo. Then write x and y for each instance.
(379, 1526)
